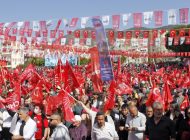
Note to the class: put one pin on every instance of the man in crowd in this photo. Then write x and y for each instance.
(25, 127)
(135, 124)
(103, 130)
(60, 131)
(149, 111)
(159, 127)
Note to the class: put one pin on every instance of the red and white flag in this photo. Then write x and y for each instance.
(61, 33)
(105, 20)
(26, 26)
(137, 19)
(147, 17)
(36, 26)
(158, 15)
(183, 14)
(116, 21)
(172, 16)
(84, 21)
(43, 26)
(58, 25)
(126, 19)
(73, 22)
(8, 28)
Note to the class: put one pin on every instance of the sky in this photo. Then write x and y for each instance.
(29, 10)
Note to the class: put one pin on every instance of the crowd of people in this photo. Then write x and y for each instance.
(146, 110)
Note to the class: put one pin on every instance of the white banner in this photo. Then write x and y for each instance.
(63, 41)
(76, 42)
(172, 16)
(126, 18)
(50, 41)
(157, 42)
(88, 41)
(29, 40)
(84, 21)
(19, 25)
(182, 40)
(36, 26)
(170, 41)
(134, 42)
(148, 17)
(105, 20)
(145, 42)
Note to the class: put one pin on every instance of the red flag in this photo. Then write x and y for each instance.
(110, 102)
(21, 32)
(26, 26)
(128, 34)
(8, 28)
(185, 103)
(158, 18)
(1, 28)
(145, 34)
(96, 80)
(155, 33)
(14, 31)
(119, 66)
(38, 34)
(29, 32)
(153, 96)
(36, 95)
(27, 71)
(187, 40)
(59, 71)
(183, 14)
(57, 26)
(52, 34)
(167, 97)
(14, 99)
(70, 78)
(73, 22)
(85, 34)
(61, 33)
(123, 88)
(77, 34)
(111, 34)
(120, 34)
(137, 19)
(43, 26)
(172, 33)
(67, 109)
(137, 33)
(116, 21)
(181, 32)
(176, 41)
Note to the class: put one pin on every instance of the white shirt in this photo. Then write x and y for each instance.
(29, 129)
(105, 133)
(60, 133)
(138, 122)
(6, 119)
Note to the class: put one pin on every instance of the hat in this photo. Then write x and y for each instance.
(78, 118)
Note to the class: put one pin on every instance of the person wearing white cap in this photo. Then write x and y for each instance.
(78, 130)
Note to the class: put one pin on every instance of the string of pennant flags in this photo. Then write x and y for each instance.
(45, 34)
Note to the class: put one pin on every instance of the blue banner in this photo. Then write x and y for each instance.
(106, 71)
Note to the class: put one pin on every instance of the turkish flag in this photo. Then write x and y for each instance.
(77, 34)
(128, 34)
(111, 34)
(172, 33)
(137, 33)
(155, 33)
(85, 34)
(153, 96)
(181, 32)
(145, 34)
(36, 95)
(120, 34)
(167, 97)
